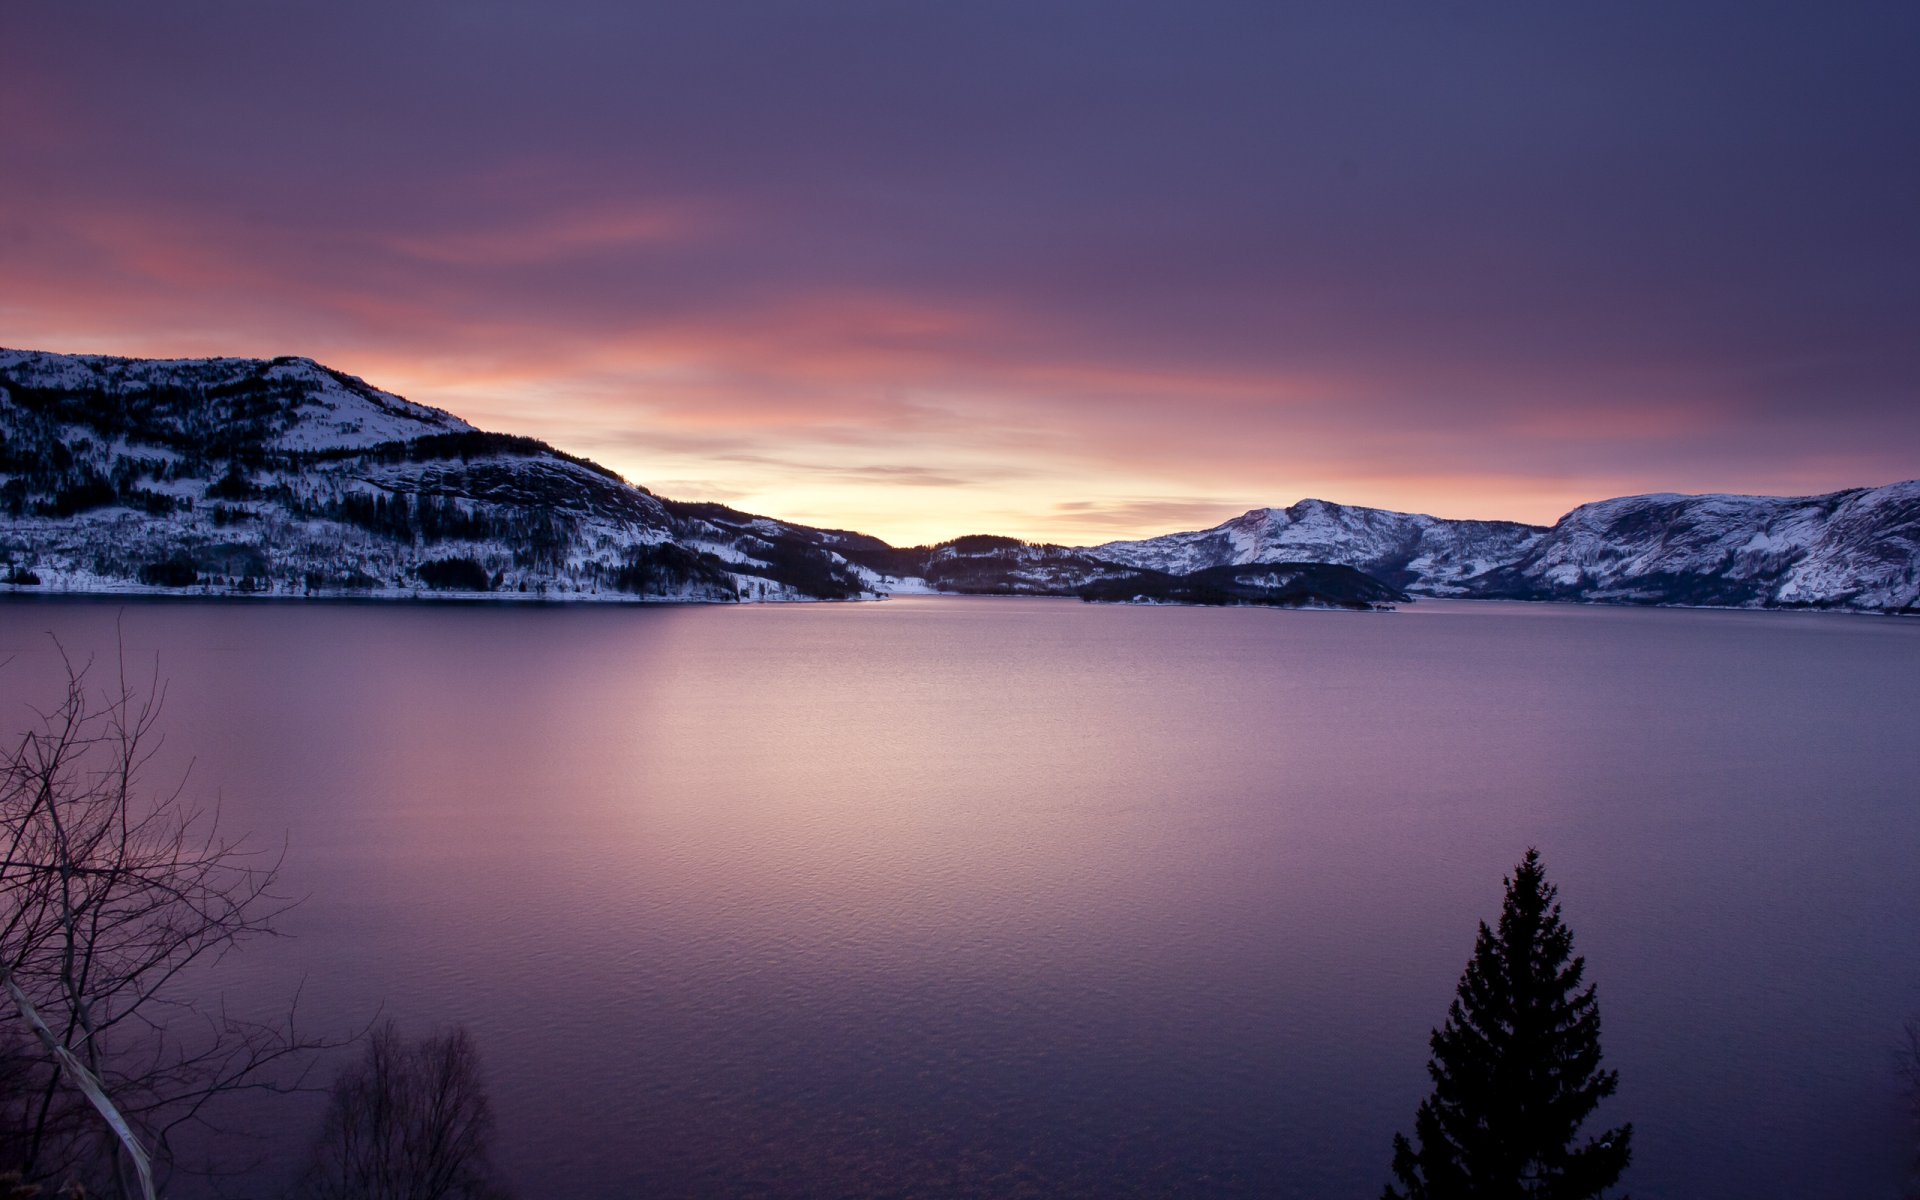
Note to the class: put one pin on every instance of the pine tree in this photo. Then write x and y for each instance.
(1516, 1070)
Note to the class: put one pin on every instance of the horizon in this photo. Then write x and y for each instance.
(935, 541)
(1079, 275)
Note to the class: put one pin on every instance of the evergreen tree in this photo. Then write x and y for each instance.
(1516, 1070)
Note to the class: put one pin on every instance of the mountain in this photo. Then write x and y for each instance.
(987, 565)
(1402, 549)
(1856, 549)
(286, 477)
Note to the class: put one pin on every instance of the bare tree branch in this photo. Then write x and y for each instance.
(96, 1095)
(109, 894)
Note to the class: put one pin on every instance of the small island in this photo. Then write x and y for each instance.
(1273, 585)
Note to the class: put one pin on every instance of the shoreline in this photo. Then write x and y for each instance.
(34, 594)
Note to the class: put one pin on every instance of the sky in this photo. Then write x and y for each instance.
(1065, 271)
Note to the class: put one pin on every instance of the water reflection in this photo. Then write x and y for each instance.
(949, 897)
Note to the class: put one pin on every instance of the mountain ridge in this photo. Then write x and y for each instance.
(1856, 548)
(284, 476)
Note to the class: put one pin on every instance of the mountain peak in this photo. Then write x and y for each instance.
(288, 475)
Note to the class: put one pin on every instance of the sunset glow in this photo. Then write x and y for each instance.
(892, 271)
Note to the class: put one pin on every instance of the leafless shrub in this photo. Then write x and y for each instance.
(410, 1121)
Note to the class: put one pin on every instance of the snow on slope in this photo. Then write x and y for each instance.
(285, 477)
(1858, 549)
(341, 411)
(1853, 549)
(286, 404)
(1404, 549)
(288, 477)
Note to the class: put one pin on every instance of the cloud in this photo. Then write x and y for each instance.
(884, 264)
(899, 476)
(555, 238)
(1126, 518)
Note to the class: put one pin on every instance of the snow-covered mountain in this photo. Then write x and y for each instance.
(288, 404)
(985, 564)
(1855, 549)
(1406, 550)
(286, 477)
(238, 476)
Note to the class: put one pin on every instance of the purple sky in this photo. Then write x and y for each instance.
(1064, 271)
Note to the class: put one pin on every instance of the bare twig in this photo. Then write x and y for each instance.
(109, 893)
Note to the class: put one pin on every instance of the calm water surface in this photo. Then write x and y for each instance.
(947, 897)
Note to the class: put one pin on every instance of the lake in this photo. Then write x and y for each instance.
(981, 897)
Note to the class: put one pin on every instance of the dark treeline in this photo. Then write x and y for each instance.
(1284, 584)
(463, 447)
(541, 537)
(664, 568)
